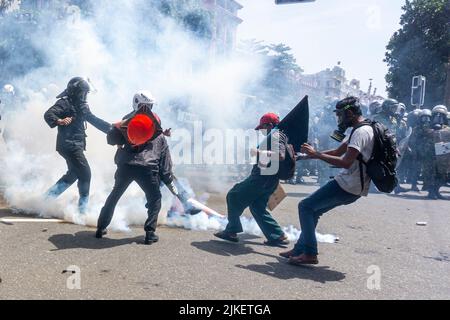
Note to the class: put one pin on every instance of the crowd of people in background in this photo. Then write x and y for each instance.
(417, 133)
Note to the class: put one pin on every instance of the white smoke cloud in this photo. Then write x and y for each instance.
(122, 51)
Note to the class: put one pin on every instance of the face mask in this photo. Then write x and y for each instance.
(425, 122)
(439, 120)
(145, 108)
(343, 125)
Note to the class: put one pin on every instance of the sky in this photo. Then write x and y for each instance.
(323, 32)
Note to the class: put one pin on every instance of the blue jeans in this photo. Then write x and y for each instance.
(312, 208)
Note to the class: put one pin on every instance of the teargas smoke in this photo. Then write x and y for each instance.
(121, 46)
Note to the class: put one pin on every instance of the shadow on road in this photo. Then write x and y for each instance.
(227, 249)
(283, 271)
(86, 240)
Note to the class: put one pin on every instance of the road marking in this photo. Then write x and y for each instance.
(16, 220)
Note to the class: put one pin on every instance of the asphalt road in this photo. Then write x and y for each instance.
(413, 262)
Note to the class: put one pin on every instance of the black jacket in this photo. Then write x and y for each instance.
(154, 155)
(75, 133)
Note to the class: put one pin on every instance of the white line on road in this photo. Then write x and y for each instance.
(7, 220)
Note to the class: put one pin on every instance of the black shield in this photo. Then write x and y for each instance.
(296, 124)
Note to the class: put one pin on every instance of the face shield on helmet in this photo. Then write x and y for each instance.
(413, 118)
(439, 117)
(375, 108)
(78, 89)
(390, 106)
(425, 118)
(401, 110)
(143, 100)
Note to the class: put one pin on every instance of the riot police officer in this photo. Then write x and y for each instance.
(437, 164)
(387, 115)
(70, 114)
(402, 127)
(375, 108)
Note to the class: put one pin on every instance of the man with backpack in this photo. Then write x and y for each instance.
(358, 155)
(257, 189)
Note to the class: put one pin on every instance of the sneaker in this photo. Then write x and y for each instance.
(150, 238)
(100, 233)
(227, 236)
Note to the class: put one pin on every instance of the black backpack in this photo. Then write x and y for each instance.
(381, 167)
(288, 165)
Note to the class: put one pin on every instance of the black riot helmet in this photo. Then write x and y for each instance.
(439, 117)
(413, 118)
(390, 106)
(425, 118)
(77, 90)
(375, 108)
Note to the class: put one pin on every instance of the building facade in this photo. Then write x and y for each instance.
(333, 83)
(225, 24)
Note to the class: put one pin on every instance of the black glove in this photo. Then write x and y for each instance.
(189, 209)
(183, 196)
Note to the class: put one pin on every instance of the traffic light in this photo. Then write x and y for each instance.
(292, 1)
(418, 91)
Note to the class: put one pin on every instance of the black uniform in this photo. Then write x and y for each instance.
(147, 165)
(71, 144)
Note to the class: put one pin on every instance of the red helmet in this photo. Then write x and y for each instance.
(269, 118)
(141, 129)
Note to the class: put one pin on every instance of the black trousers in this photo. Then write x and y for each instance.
(149, 182)
(78, 170)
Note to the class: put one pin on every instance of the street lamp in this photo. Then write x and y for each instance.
(292, 1)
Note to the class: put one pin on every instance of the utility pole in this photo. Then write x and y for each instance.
(369, 92)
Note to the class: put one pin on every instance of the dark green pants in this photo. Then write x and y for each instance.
(254, 192)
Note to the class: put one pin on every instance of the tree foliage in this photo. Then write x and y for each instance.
(279, 85)
(190, 14)
(420, 47)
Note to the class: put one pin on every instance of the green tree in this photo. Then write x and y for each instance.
(280, 82)
(420, 47)
(190, 14)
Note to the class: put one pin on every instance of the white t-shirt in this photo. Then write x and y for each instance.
(350, 179)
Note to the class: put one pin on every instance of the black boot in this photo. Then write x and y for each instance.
(432, 195)
(100, 233)
(150, 238)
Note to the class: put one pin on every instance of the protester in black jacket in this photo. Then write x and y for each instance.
(147, 162)
(70, 114)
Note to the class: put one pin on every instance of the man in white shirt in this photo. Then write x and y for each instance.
(350, 185)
